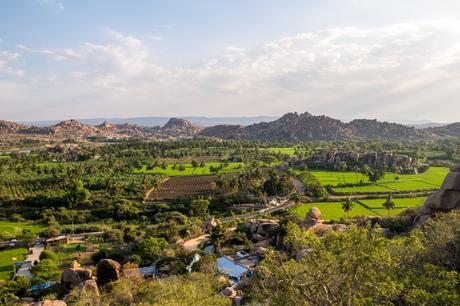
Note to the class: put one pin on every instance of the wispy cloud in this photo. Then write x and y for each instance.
(52, 3)
(6, 63)
(391, 71)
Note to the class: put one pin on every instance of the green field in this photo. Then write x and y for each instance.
(333, 210)
(287, 151)
(391, 182)
(189, 170)
(13, 228)
(6, 262)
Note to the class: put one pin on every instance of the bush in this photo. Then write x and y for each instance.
(46, 254)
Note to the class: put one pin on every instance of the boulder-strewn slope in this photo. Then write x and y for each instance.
(294, 126)
(373, 129)
(180, 127)
(10, 127)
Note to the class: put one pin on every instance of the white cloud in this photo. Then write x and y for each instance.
(6, 63)
(395, 71)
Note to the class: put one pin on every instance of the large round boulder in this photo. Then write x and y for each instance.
(108, 270)
(314, 213)
(70, 278)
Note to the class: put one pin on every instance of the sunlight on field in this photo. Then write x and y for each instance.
(12, 228)
(391, 182)
(334, 211)
(6, 263)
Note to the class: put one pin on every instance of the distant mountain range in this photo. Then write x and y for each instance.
(290, 127)
(160, 121)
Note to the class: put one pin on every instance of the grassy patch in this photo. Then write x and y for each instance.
(6, 262)
(391, 182)
(333, 210)
(13, 228)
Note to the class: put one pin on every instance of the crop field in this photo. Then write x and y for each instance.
(430, 179)
(13, 185)
(6, 262)
(333, 210)
(184, 187)
(12, 228)
(173, 170)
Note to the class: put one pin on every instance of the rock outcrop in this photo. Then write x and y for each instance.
(349, 159)
(445, 199)
(108, 270)
(72, 277)
(262, 229)
(179, 127)
(313, 217)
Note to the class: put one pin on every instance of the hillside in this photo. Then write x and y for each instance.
(180, 127)
(373, 129)
(451, 130)
(301, 127)
(10, 127)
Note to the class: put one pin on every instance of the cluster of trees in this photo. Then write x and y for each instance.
(362, 266)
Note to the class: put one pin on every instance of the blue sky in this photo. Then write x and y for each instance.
(349, 58)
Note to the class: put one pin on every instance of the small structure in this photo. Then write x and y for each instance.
(58, 239)
(232, 269)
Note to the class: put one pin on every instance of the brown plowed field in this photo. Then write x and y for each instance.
(184, 187)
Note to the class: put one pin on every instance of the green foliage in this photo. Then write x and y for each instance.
(76, 194)
(151, 248)
(192, 289)
(362, 267)
(46, 254)
(199, 207)
(45, 270)
(11, 290)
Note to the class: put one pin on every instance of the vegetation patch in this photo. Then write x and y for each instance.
(334, 210)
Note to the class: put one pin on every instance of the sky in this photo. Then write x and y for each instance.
(391, 60)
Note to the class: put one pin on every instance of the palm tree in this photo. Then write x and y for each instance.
(389, 204)
(347, 206)
(217, 235)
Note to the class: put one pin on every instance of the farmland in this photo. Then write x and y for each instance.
(184, 187)
(11, 228)
(188, 169)
(6, 262)
(334, 211)
(431, 179)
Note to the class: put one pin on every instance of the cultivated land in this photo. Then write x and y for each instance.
(374, 207)
(184, 187)
(173, 169)
(431, 179)
(6, 262)
(12, 228)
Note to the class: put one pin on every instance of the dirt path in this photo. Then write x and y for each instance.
(194, 244)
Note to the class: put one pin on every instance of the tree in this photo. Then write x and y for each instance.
(45, 270)
(199, 207)
(125, 210)
(217, 236)
(389, 204)
(76, 194)
(347, 206)
(151, 248)
(194, 165)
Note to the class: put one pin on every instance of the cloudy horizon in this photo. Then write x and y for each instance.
(399, 62)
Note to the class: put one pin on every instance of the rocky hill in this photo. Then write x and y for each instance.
(225, 131)
(373, 129)
(179, 128)
(450, 130)
(10, 127)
